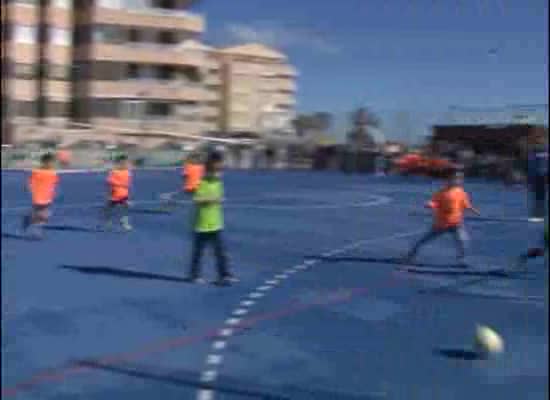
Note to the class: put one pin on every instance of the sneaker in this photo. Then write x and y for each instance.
(221, 282)
(197, 280)
(25, 223)
(232, 279)
(126, 225)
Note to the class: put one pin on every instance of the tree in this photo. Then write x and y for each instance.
(312, 125)
(362, 120)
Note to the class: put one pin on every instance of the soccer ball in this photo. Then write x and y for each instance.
(487, 341)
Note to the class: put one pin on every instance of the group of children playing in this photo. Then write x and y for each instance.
(205, 187)
(202, 184)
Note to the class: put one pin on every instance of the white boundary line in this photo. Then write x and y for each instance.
(211, 370)
(377, 201)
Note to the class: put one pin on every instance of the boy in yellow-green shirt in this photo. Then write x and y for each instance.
(208, 222)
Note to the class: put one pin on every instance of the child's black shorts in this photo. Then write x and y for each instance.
(41, 207)
(120, 202)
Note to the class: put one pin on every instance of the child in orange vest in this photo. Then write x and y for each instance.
(42, 185)
(119, 181)
(448, 206)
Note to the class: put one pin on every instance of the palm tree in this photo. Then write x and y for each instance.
(362, 121)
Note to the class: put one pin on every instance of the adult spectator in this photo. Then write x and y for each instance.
(538, 178)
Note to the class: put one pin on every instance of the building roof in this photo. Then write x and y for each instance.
(194, 45)
(254, 50)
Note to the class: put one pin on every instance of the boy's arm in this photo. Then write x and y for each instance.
(468, 205)
(433, 203)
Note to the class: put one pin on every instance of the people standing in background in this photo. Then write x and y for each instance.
(537, 166)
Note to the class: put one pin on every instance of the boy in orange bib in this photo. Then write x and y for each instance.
(42, 185)
(119, 181)
(448, 205)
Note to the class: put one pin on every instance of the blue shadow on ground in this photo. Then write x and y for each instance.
(120, 273)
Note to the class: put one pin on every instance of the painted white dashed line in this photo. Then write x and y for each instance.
(219, 345)
(214, 359)
(240, 311)
(265, 288)
(209, 376)
(272, 282)
(310, 262)
(226, 332)
(233, 321)
(205, 395)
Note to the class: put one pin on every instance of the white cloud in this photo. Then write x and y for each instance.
(272, 34)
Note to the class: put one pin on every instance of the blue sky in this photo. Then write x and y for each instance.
(416, 55)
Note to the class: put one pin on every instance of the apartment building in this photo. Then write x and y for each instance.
(136, 66)
(139, 65)
(35, 78)
(258, 90)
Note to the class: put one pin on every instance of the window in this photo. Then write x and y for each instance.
(108, 34)
(29, 2)
(165, 72)
(25, 34)
(60, 37)
(134, 35)
(133, 71)
(25, 71)
(166, 4)
(166, 37)
(62, 3)
(58, 71)
(159, 109)
(110, 3)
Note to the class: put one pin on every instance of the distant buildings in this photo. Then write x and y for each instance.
(138, 66)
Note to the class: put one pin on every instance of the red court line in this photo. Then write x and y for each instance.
(60, 373)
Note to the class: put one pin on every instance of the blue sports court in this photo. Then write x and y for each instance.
(321, 311)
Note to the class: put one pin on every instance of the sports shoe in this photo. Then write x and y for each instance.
(225, 281)
(25, 223)
(125, 224)
(197, 280)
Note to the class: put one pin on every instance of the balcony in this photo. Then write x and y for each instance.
(22, 14)
(169, 126)
(151, 17)
(148, 89)
(146, 54)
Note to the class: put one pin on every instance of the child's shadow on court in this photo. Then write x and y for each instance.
(459, 354)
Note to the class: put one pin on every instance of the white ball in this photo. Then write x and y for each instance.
(487, 341)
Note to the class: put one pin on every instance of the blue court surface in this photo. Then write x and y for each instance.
(321, 311)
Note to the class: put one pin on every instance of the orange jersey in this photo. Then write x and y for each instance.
(42, 184)
(193, 174)
(119, 181)
(449, 206)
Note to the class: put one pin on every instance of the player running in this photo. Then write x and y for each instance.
(119, 181)
(448, 206)
(42, 185)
